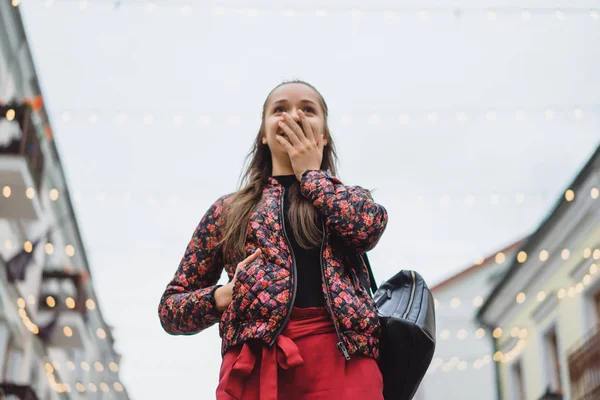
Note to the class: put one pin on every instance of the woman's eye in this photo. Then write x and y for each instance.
(309, 110)
(278, 110)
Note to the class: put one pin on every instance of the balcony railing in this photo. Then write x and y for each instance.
(584, 367)
(27, 144)
(60, 286)
(22, 392)
(62, 310)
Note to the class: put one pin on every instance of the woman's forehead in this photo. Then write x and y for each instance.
(294, 92)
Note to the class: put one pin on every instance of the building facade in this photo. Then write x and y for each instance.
(462, 364)
(54, 341)
(545, 314)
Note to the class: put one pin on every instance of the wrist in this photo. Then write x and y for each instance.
(220, 296)
(306, 171)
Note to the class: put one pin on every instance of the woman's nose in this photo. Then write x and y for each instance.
(294, 115)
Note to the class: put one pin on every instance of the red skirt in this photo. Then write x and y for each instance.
(305, 364)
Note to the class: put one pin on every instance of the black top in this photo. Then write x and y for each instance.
(309, 292)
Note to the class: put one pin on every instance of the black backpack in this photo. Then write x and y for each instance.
(407, 316)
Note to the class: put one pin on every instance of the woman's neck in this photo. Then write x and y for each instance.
(280, 168)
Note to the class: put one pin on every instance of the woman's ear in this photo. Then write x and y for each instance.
(264, 140)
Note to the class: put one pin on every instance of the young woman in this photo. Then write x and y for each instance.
(294, 320)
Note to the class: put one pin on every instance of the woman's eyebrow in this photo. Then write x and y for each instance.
(301, 101)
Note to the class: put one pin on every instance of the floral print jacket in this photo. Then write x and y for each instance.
(263, 294)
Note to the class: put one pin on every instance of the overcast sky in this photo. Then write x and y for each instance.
(153, 113)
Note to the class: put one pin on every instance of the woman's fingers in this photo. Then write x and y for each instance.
(287, 146)
(306, 126)
(252, 257)
(291, 129)
(247, 261)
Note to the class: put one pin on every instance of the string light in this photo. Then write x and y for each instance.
(84, 366)
(30, 193)
(70, 303)
(455, 303)
(253, 10)
(80, 387)
(541, 296)
(158, 198)
(113, 367)
(69, 250)
(569, 195)
(10, 114)
(500, 258)
(53, 194)
(50, 301)
(458, 364)
(49, 248)
(402, 117)
(90, 304)
(67, 331)
(33, 328)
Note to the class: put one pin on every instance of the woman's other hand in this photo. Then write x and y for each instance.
(224, 294)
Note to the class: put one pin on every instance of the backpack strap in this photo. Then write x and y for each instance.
(371, 280)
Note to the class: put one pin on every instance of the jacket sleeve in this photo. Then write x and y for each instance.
(349, 211)
(188, 304)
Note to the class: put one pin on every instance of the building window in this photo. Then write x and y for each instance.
(518, 381)
(553, 367)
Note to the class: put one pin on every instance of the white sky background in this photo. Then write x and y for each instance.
(103, 61)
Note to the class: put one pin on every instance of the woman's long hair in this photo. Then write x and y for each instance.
(302, 214)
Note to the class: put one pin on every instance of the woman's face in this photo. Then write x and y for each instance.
(290, 98)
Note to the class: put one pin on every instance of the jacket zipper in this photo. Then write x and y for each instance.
(412, 295)
(340, 345)
(293, 269)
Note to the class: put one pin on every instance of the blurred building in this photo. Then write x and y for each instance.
(54, 341)
(545, 314)
(462, 365)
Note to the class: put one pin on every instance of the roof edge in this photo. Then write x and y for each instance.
(537, 236)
